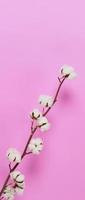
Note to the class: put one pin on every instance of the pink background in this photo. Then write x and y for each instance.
(36, 37)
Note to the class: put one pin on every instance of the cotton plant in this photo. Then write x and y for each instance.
(15, 181)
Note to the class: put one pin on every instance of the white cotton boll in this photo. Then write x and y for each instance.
(66, 69)
(19, 191)
(43, 124)
(36, 145)
(14, 174)
(46, 100)
(9, 193)
(69, 71)
(73, 75)
(18, 177)
(45, 127)
(13, 155)
(35, 114)
(41, 121)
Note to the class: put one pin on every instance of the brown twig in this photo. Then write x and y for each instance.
(33, 130)
(56, 96)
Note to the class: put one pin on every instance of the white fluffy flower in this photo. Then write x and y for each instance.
(8, 193)
(19, 190)
(35, 114)
(43, 124)
(13, 155)
(36, 145)
(46, 100)
(69, 71)
(18, 178)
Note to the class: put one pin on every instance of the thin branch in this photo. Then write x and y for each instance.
(28, 153)
(56, 96)
(10, 167)
(32, 124)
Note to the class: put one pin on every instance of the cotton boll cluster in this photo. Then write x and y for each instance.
(68, 72)
(13, 155)
(36, 145)
(16, 187)
(41, 121)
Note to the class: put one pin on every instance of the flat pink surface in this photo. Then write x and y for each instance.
(36, 37)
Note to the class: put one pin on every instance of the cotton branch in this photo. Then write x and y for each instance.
(33, 145)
